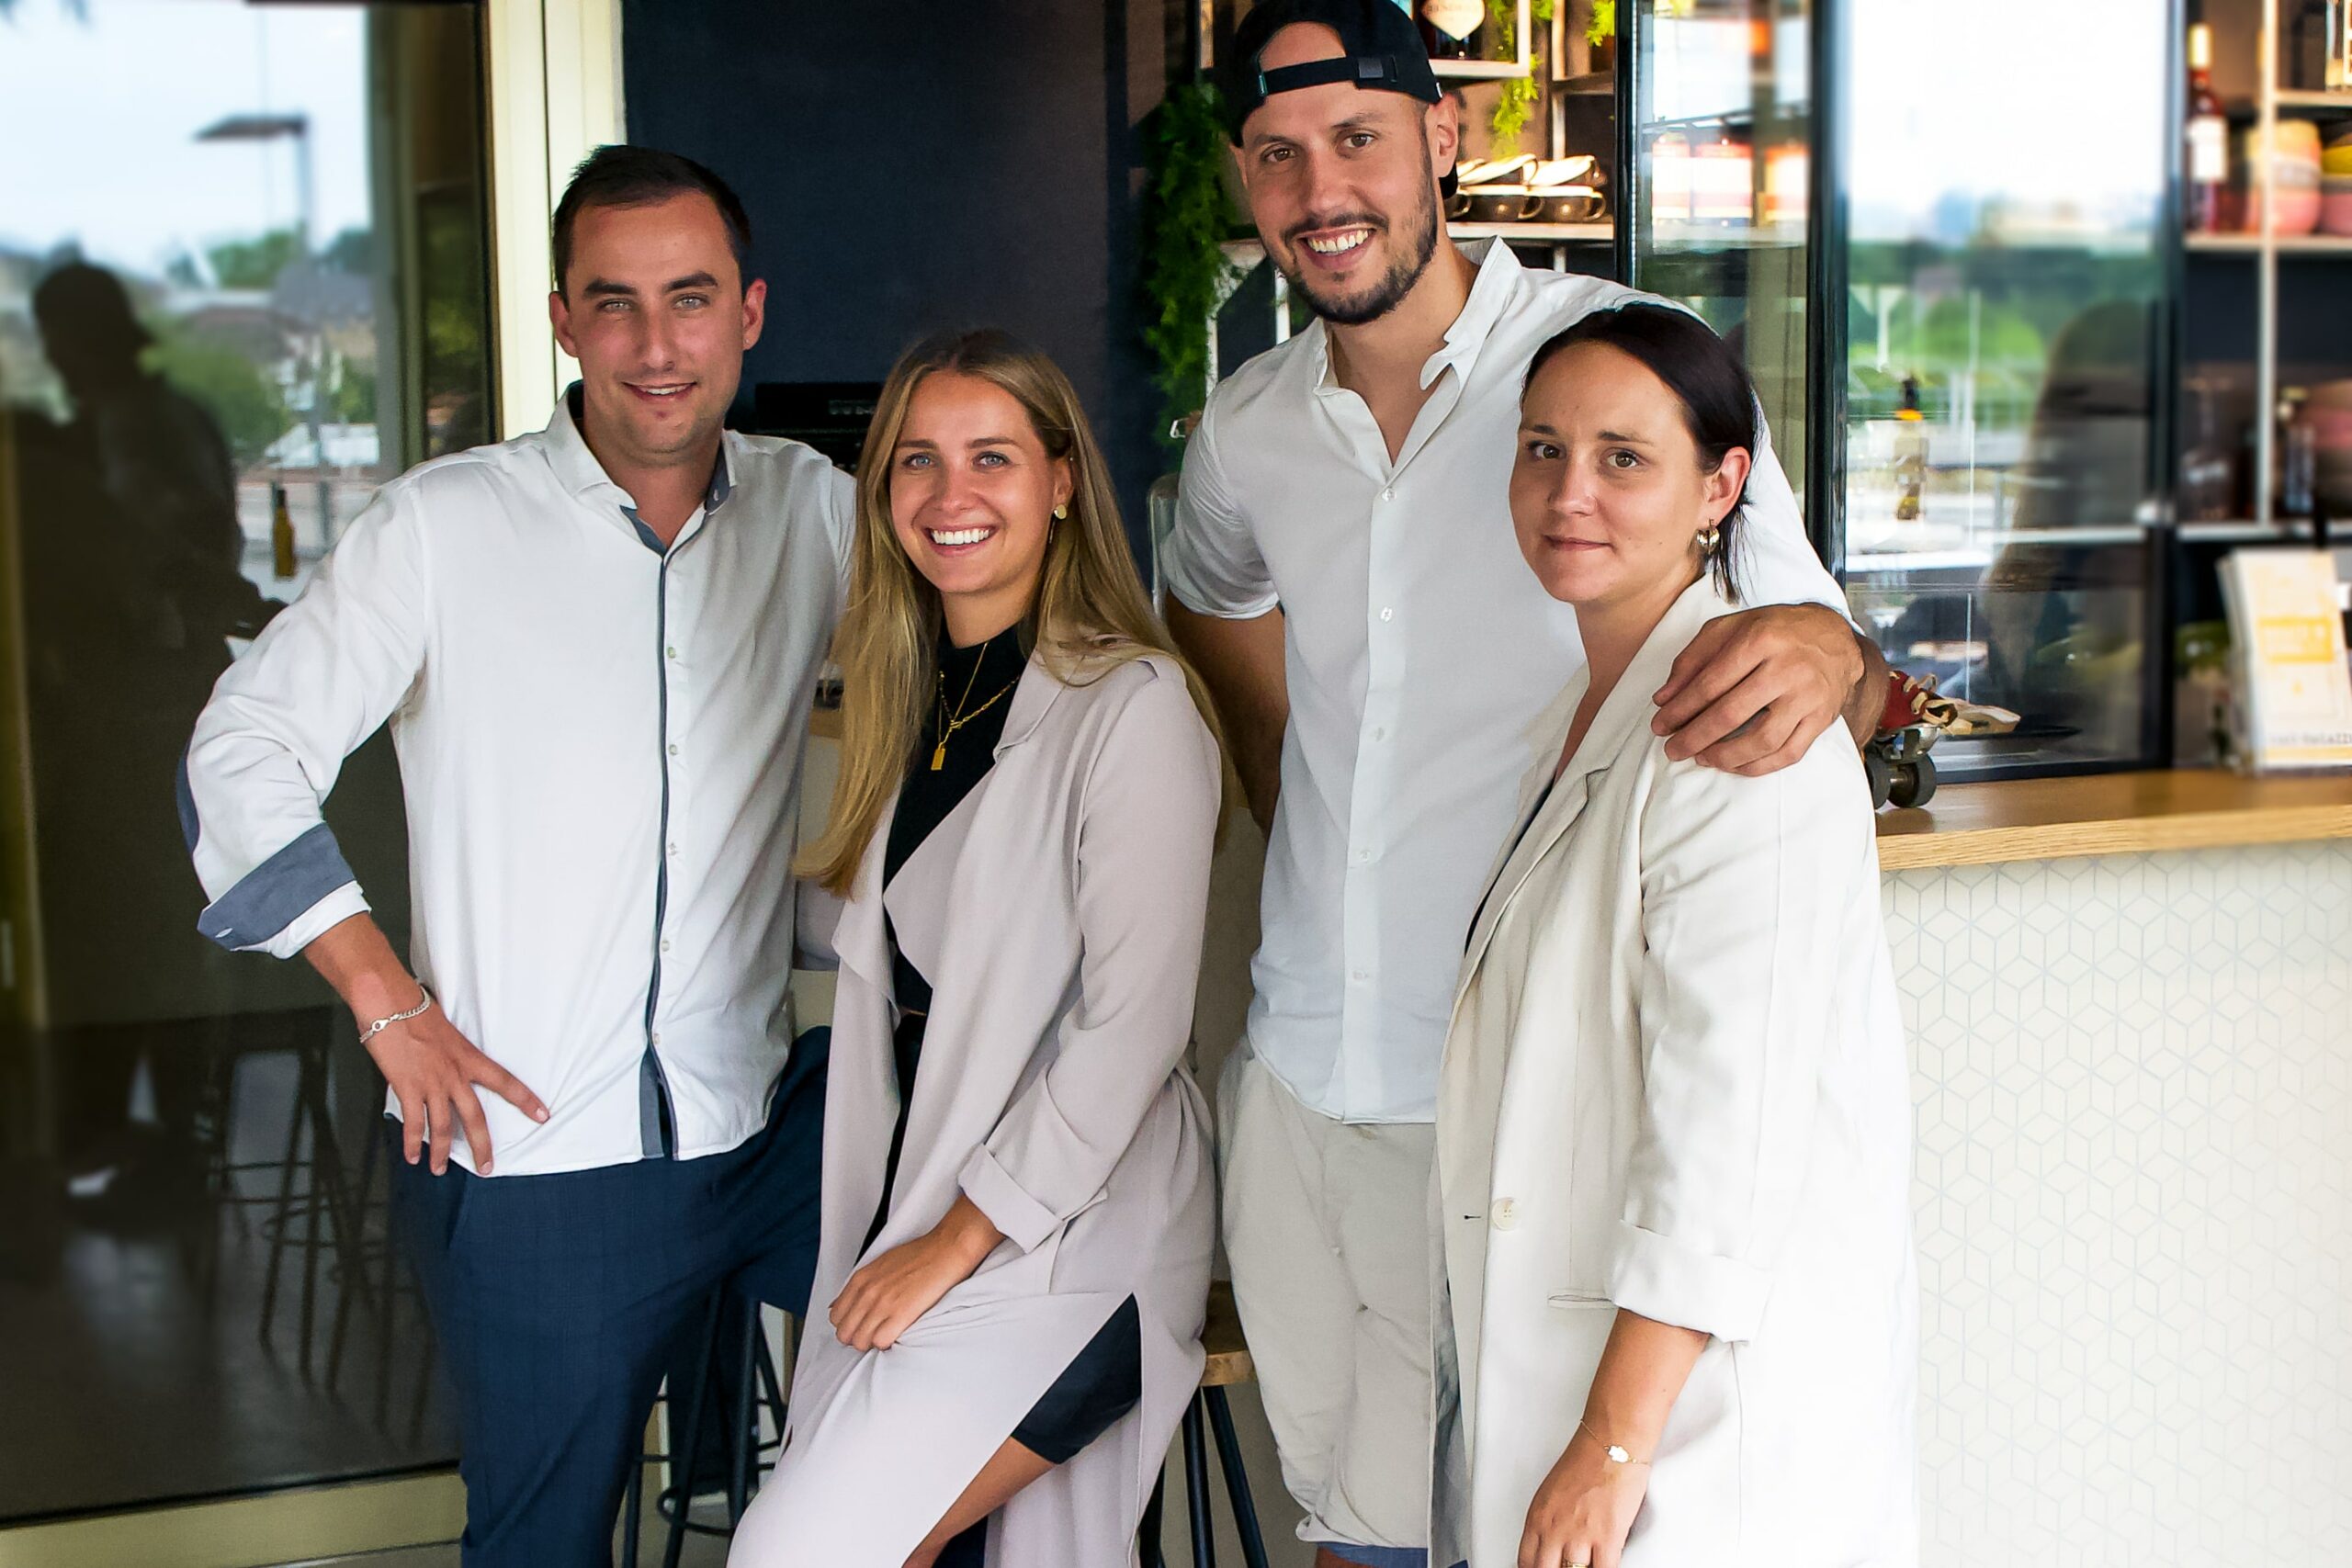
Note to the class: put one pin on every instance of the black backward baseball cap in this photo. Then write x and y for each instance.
(1380, 49)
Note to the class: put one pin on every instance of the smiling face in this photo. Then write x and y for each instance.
(1342, 183)
(655, 309)
(1608, 493)
(972, 496)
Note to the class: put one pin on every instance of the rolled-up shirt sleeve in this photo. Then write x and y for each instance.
(1743, 882)
(1144, 839)
(1210, 560)
(320, 679)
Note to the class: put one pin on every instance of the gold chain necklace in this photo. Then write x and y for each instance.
(949, 725)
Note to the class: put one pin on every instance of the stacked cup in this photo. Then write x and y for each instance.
(2335, 185)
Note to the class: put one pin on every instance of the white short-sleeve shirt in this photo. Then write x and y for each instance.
(1420, 648)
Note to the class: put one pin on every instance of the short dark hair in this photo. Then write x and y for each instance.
(618, 174)
(1718, 399)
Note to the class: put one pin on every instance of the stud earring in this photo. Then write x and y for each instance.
(1061, 513)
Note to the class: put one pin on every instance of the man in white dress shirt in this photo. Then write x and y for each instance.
(1344, 573)
(596, 646)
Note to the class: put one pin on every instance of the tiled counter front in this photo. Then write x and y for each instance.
(2134, 1085)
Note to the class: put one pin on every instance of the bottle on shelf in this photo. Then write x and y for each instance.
(1453, 29)
(1910, 454)
(2298, 455)
(2207, 168)
(281, 534)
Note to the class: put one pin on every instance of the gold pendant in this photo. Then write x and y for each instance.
(939, 757)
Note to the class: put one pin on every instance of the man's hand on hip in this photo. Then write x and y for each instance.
(434, 1071)
(1753, 690)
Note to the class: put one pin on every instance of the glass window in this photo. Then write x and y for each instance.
(242, 281)
(2006, 304)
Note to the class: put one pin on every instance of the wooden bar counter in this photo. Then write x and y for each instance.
(2026, 819)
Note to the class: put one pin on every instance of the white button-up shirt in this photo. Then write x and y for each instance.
(1420, 648)
(600, 745)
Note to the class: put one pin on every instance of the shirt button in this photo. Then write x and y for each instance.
(665, 944)
(1379, 733)
(1506, 1213)
(673, 653)
(1360, 976)
(673, 751)
(657, 1037)
(673, 849)
(1388, 494)
(1387, 613)
(1363, 857)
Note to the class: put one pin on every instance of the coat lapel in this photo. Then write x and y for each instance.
(1626, 708)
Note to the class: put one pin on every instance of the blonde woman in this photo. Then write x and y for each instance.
(1018, 1197)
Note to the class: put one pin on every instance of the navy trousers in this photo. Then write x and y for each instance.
(561, 1301)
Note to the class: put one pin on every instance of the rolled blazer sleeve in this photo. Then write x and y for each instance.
(321, 678)
(1742, 885)
(1147, 827)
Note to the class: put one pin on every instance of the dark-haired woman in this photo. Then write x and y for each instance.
(1674, 1123)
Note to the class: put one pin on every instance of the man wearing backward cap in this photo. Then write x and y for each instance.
(1345, 575)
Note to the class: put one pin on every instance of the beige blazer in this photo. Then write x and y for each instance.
(1676, 1082)
(1059, 910)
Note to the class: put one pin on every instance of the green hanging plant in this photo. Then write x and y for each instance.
(1518, 100)
(1185, 217)
(1603, 26)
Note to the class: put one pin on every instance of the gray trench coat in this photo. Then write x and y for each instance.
(1059, 910)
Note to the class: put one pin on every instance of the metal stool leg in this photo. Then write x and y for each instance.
(1148, 1535)
(1236, 1479)
(743, 1430)
(1196, 1488)
(683, 1437)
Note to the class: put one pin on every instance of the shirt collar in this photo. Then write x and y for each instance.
(1490, 291)
(579, 473)
(1498, 272)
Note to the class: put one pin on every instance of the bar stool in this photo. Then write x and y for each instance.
(757, 1388)
(1229, 1363)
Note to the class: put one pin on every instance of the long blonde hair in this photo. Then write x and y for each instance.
(1090, 613)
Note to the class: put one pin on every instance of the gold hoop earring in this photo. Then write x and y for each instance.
(1710, 536)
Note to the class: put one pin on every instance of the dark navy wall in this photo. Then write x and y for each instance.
(917, 165)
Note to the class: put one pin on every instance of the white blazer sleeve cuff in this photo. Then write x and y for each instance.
(1023, 1220)
(1663, 1280)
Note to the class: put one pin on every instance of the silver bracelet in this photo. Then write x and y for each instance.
(381, 1024)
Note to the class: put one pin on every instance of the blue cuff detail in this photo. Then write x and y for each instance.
(274, 894)
(190, 827)
(1376, 1556)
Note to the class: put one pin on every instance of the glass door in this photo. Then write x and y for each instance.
(2007, 295)
(245, 274)
(1720, 132)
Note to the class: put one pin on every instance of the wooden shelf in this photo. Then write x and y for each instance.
(1249, 252)
(2034, 819)
(1537, 233)
(2287, 244)
(1590, 84)
(1479, 70)
(2296, 103)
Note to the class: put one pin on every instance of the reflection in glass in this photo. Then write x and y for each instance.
(2005, 294)
(1722, 139)
(242, 281)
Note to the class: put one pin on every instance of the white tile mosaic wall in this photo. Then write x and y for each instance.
(2134, 1080)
